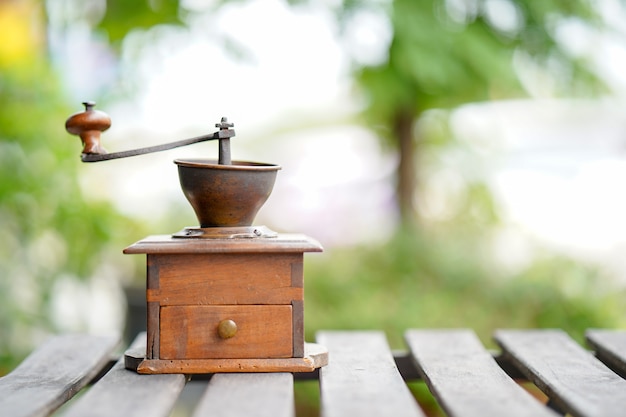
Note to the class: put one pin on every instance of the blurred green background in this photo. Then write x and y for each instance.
(62, 235)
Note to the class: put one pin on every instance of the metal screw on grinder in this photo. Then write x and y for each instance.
(224, 145)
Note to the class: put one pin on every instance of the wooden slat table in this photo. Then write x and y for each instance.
(363, 378)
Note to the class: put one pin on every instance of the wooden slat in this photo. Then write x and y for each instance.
(572, 377)
(361, 378)
(53, 373)
(122, 392)
(245, 395)
(610, 347)
(465, 378)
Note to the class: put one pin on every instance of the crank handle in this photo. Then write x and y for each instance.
(91, 123)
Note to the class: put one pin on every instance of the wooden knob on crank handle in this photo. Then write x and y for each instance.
(88, 125)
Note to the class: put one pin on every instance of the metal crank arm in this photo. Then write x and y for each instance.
(220, 134)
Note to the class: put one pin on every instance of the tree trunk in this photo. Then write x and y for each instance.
(406, 172)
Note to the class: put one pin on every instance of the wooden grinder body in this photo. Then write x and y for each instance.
(233, 305)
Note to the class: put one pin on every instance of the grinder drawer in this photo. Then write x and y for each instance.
(226, 331)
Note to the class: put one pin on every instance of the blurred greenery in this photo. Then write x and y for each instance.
(439, 275)
(50, 230)
(443, 54)
(121, 17)
(443, 280)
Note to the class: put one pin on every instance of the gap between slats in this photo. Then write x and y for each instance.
(60, 368)
(571, 376)
(465, 378)
(610, 348)
(122, 392)
(361, 378)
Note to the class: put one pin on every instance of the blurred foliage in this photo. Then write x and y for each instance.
(50, 230)
(122, 17)
(421, 280)
(446, 53)
(443, 54)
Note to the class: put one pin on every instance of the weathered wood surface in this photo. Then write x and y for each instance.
(122, 392)
(465, 378)
(53, 373)
(361, 378)
(245, 395)
(282, 243)
(572, 377)
(610, 347)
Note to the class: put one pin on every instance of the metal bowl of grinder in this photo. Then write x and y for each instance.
(226, 195)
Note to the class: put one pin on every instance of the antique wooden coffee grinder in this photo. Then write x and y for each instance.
(226, 296)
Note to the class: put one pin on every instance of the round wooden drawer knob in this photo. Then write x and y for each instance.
(227, 329)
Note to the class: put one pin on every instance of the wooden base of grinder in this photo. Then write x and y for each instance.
(315, 356)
